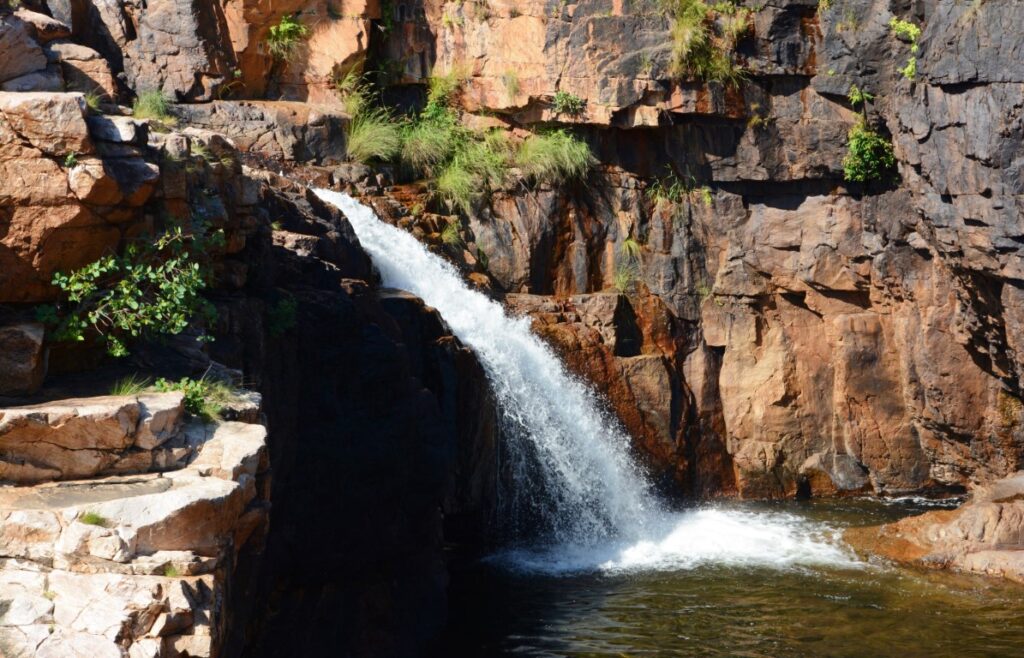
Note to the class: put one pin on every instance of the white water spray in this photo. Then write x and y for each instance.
(592, 500)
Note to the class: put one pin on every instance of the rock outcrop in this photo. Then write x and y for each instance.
(985, 535)
(136, 564)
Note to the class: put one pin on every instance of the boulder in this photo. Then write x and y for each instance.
(84, 69)
(19, 52)
(985, 535)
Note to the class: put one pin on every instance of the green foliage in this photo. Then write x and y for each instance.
(281, 315)
(131, 385)
(456, 187)
(906, 31)
(203, 397)
(171, 571)
(153, 105)
(869, 156)
(910, 70)
(284, 38)
(92, 518)
(93, 100)
(352, 91)
(627, 272)
(442, 90)
(151, 289)
(704, 38)
(432, 140)
(859, 97)
(631, 249)
(70, 160)
(671, 189)
(374, 134)
(567, 103)
(452, 233)
(554, 157)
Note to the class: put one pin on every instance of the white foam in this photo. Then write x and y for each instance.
(596, 506)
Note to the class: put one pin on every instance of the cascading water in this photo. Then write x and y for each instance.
(595, 504)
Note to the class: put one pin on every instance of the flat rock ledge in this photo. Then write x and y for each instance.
(984, 536)
(131, 565)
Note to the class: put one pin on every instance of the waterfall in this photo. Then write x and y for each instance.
(570, 463)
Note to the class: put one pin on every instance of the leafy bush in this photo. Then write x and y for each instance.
(203, 397)
(151, 289)
(566, 103)
(554, 157)
(869, 156)
(153, 105)
(284, 38)
(70, 160)
(910, 70)
(859, 97)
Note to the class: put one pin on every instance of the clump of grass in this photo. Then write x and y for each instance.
(568, 103)
(456, 186)
(431, 141)
(154, 106)
(374, 134)
(452, 233)
(92, 518)
(93, 100)
(627, 272)
(171, 571)
(284, 38)
(351, 89)
(631, 249)
(671, 189)
(701, 45)
(554, 157)
(133, 384)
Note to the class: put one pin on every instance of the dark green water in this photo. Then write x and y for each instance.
(712, 609)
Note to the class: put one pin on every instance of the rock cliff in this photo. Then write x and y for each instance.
(783, 331)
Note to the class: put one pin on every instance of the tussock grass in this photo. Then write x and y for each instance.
(554, 158)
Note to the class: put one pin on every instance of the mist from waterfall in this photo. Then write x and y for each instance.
(570, 470)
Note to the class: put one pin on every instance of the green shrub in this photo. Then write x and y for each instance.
(869, 156)
(566, 103)
(554, 158)
(153, 289)
(374, 134)
(131, 385)
(92, 518)
(154, 106)
(171, 571)
(70, 160)
(284, 38)
(281, 315)
(203, 397)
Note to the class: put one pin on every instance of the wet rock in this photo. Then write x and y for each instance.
(985, 535)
